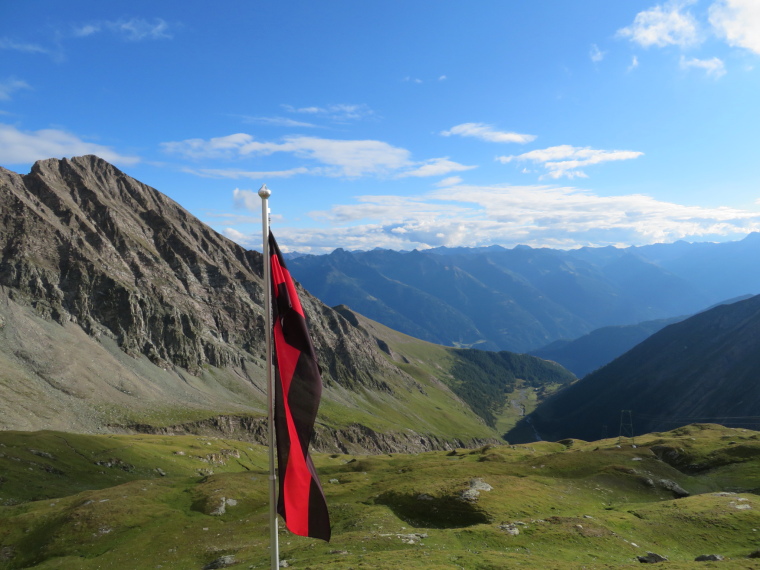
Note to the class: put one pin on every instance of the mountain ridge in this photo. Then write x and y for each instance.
(119, 311)
(599, 347)
(498, 299)
(701, 369)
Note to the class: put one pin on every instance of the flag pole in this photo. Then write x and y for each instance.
(274, 546)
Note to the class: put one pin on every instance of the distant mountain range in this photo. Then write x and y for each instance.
(703, 369)
(523, 299)
(595, 349)
(121, 312)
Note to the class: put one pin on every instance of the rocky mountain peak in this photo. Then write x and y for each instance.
(82, 241)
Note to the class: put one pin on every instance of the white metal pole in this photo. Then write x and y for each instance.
(274, 545)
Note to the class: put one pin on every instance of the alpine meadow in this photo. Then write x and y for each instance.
(510, 319)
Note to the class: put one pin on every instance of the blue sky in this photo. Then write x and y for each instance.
(407, 124)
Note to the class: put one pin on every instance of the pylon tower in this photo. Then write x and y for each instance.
(626, 426)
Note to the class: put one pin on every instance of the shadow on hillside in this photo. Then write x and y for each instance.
(422, 510)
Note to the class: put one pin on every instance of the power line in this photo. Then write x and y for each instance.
(655, 422)
(626, 426)
(669, 418)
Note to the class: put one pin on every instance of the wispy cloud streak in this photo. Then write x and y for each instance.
(566, 160)
(23, 147)
(713, 67)
(487, 133)
(337, 158)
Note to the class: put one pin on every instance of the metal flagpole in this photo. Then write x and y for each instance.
(274, 545)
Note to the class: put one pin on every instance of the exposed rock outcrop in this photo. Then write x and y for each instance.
(355, 438)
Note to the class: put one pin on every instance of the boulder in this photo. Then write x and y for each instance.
(708, 558)
(221, 562)
(652, 558)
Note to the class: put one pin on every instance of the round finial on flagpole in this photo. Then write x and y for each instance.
(264, 192)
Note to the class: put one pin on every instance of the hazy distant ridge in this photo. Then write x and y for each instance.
(522, 299)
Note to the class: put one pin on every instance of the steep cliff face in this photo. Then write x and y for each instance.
(82, 241)
(118, 308)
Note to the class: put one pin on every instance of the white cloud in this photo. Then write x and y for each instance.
(253, 174)
(278, 122)
(738, 22)
(566, 160)
(246, 199)
(713, 67)
(450, 181)
(218, 147)
(86, 30)
(442, 78)
(540, 216)
(11, 85)
(340, 158)
(236, 219)
(9, 44)
(596, 54)
(350, 158)
(634, 63)
(390, 210)
(138, 29)
(487, 133)
(667, 24)
(238, 237)
(134, 29)
(338, 112)
(19, 147)
(436, 167)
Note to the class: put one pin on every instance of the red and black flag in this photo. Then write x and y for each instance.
(298, 388)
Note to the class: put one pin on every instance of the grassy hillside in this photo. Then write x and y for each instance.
(500, 387)
(139, 502)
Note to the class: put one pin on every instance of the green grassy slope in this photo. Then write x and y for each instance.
(134, 502)
(500, 387)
